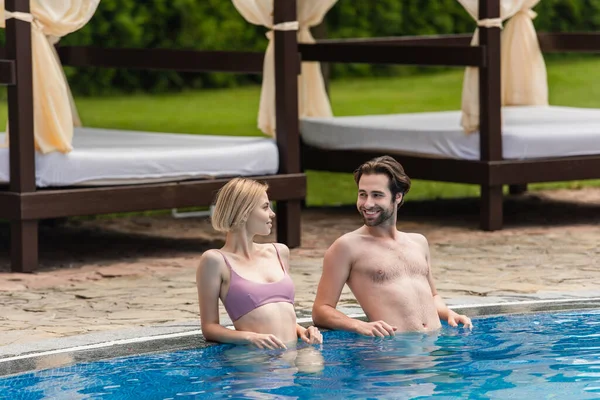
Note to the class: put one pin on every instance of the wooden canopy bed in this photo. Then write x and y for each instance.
(514, 145)
(112, 171)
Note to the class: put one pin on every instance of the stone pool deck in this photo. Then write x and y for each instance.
(131, 276)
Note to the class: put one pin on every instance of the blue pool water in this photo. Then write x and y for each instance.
(537, 356)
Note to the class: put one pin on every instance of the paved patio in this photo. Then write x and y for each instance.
(112, 274)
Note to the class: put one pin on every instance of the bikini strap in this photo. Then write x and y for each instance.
(226, 260)
(279, 258)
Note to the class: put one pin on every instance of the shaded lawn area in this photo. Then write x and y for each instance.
(234, 111)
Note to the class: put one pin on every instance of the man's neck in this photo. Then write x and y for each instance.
(384, 231)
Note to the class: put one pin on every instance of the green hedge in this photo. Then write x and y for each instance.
(206, 24)
(216, 24)
(364, 18)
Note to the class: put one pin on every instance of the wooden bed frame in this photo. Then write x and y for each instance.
(24, 205)
(491, 172)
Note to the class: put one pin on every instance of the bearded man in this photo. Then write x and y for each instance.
(388, 271)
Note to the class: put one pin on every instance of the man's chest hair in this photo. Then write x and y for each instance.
(382, 265)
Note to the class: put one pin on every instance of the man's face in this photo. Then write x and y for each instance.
(375, 203)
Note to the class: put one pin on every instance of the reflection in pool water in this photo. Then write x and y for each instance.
(520, 356)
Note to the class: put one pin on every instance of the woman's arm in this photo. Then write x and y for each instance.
(208, 281)
(311, 334)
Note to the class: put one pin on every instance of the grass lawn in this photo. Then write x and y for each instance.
(233, 112)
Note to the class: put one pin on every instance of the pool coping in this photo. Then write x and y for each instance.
(184, 336)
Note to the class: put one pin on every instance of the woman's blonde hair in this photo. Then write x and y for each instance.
(234, 202)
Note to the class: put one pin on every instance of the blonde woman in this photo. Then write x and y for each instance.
(251, 279)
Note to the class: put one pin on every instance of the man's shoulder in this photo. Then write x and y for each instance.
(346, 242)
(349, 238)
(419, 240)
(417, 237)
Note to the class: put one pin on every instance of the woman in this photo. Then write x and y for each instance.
(251, 279)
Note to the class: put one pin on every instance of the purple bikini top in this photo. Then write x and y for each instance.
(244, 295)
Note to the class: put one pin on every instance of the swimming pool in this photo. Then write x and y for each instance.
(535, 356)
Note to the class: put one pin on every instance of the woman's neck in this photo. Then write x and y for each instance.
(241, 243)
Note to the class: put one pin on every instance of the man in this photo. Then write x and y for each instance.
(388, 271)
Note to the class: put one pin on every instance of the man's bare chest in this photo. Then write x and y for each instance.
(382, 265)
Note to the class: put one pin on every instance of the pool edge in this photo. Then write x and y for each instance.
(192, 338)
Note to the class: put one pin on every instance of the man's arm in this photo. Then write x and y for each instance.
(337, 265)
(336, 271)
(444, 312)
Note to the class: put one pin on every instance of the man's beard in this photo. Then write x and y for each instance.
(384, 215)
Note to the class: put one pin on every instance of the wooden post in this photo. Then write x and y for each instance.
(490, 131)
(24, 234)
(287, 69)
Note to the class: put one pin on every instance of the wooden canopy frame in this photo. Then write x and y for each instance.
(23, 204)
(491, 171)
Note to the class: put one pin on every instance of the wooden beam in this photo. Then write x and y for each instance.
(504, 172)
(57, 203)
(512, 172)
(164, 59)
(569, 42)
(550, 42)
(429, 168)
(251, 62)
(424, 40)
(393, 54)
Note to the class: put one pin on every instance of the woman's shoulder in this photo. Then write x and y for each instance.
(212, 258)
(282, 249)
(283, 254)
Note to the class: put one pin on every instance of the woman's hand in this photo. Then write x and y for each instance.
(311, 335)
(265, 341)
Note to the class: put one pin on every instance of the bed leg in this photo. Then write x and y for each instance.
(491, 208)
(517, 189)
(23, 246)
(288, 222)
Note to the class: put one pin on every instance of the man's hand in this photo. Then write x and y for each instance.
(376, 328)
(454, 319)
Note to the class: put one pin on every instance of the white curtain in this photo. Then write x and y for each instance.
(54, 110)
(523, 71)
(313, 100)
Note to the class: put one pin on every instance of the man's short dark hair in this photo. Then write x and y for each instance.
(399, 181)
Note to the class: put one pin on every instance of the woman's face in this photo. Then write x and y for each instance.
(260, 220)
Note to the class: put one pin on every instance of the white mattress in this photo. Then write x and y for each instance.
(113, 157)
(528, 132)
